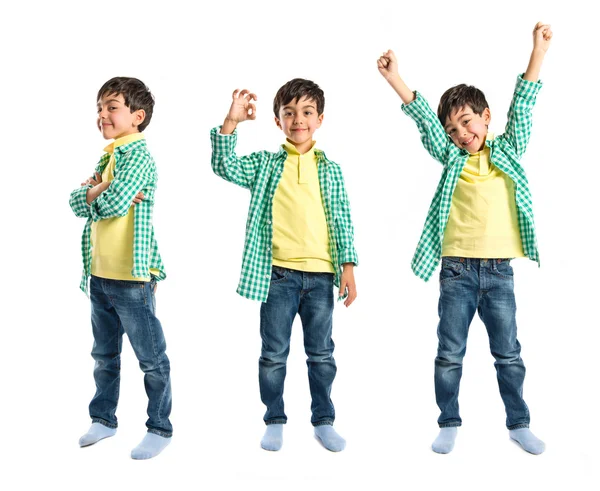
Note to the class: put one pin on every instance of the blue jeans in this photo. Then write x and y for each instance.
(128, 307)
(486, 286)
(310, 295)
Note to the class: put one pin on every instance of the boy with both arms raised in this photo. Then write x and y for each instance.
(299, 243)
(481, 214)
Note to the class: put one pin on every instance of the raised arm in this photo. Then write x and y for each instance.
(225, 163)
(542, 34)
(519, 121)
(388, 67)
(433, 136)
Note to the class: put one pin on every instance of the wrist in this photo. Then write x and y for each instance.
(228, 126)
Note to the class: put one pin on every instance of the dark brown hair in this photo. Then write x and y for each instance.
(460, 96)
(136, 94)
(294, 90)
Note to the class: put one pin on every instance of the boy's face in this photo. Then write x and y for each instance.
(299, 120)
(467, 129)
(115, 119)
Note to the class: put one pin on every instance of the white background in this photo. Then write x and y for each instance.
(56, 55)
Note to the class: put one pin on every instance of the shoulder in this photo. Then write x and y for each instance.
(136, 153)
(331, 165)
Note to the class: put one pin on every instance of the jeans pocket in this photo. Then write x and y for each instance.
(503, 269)
(279, 274)
(452, 269)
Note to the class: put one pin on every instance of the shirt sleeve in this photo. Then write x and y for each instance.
(434, 138)
(133, 171)
(78, 202)
(344, 229)
(518, 125)
(226, 164)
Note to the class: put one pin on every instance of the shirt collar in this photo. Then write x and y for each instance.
(124, 140)
(291, 149)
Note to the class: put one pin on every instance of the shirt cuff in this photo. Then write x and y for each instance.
(348, 256)
(418, 109)
(526, 89)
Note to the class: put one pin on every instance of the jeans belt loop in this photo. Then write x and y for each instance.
(468, 264)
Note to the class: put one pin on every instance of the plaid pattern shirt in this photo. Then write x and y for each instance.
(260, 172)
(135, 171)
(505, 152)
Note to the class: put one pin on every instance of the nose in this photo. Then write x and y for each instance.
(298, 119)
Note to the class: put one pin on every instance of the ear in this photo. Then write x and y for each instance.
(278, 123)
(486, 115)
(139, 117)
(320, 120)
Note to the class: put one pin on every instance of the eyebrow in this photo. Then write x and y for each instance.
(302, 107)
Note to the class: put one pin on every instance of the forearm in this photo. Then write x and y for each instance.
(401, 88)
(532, 74)
(93, 193)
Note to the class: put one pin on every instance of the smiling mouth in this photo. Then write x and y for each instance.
(468, 142)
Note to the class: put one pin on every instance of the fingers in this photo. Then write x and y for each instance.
(343, 284)
(351, 296)
(251, 111)
(244, 94)
(386, 59)
(138, 198)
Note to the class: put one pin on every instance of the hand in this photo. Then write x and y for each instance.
(241, 108)
(542, 34)
(347, 283)
(388, 64)
(137, 199)
(93, 181)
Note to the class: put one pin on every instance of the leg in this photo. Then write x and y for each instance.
(498, 313)
(459, 287)
(316, 312)
(108, 341)
(276, 319)
(134, 303)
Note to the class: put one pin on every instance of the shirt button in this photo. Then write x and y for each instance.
(269, 222)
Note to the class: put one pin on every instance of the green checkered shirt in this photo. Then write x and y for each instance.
(260, 172)
(135, 171)
(505, 152)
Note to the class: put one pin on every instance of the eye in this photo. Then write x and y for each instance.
(451, 131)
(287, 113)
(466, 122)
(308, 113)
(112, 108)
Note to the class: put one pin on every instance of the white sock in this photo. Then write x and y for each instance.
(444, 443)
(150, 446)
(96, 433)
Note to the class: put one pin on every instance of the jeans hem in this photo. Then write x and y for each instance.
(164, 434)
(450, 425)
(518, 426)
(276, 422)
(323, 423)
(103, 422)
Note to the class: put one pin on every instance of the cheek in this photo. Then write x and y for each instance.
(477, 128)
